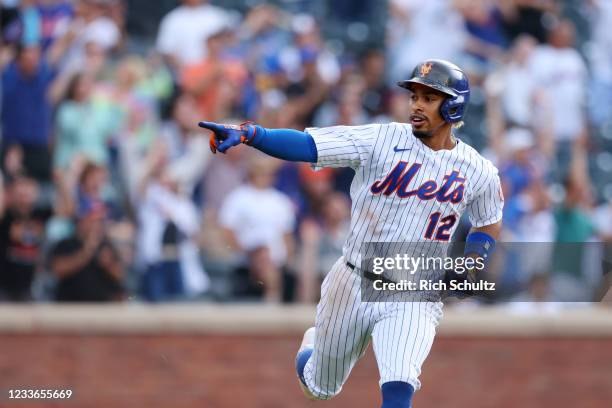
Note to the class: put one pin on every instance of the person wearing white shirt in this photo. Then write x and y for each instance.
(166, 245)
(259, 220)
(183, 32)
(599, 54)
(561, 72)
(423, 29)
(91, 27)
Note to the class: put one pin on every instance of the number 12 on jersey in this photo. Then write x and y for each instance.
(440, 227)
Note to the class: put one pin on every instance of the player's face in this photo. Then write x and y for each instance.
(425, 110)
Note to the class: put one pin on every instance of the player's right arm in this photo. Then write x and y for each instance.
(338, 146)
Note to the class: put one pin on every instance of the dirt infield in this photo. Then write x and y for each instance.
(231, 371)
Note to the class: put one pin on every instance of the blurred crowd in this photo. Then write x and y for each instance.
(108, 191)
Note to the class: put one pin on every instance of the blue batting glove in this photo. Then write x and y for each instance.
(224, 137)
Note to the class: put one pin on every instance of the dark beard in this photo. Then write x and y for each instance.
(422, 134)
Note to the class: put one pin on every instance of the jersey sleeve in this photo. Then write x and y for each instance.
(487, 205)
(343, 146)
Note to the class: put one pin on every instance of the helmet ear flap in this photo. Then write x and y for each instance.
(447, 110)
(452, 110)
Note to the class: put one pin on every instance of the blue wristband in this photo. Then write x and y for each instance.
(479, 243)
(285, 144)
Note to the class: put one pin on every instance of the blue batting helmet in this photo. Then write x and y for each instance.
(447, 78)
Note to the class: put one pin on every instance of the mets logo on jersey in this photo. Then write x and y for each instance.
(398, 179)
(426, 68)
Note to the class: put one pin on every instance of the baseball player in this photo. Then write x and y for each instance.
(412, 183)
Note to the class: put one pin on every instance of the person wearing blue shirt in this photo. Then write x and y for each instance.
(26, 109)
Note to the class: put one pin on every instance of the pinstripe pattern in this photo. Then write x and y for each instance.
(402, 332)
(379, 218)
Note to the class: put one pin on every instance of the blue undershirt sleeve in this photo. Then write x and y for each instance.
(286, 144)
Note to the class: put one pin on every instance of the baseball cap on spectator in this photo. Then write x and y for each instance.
(518, 139)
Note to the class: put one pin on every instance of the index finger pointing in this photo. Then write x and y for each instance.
(215, 127)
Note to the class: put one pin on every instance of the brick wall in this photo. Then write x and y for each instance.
(244, 371)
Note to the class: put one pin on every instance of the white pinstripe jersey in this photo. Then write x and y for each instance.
(403, 191)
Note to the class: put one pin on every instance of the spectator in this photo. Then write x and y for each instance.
(183, 32)
(574, 228)
(518, 102)
(55, 16)
(527, 17)
(186, 147)
(420, 30)
(349, 109)
(216, 80)
(127, 92)
(377, 94)
(137, 120)
(537, 222)
(316, 187)
(88, 186)
(168, 222)
(512, 146)
(22, 234)
(560, 71)
(74, 140)
(573, 222)
(26, 29)
(87, 265)
(92, 193)
(306, 90)
(259, 222)
(92, 24)
(263, 39)
(321, 244)
(532, 232)
(231, 168)
(26, 112)
(306, 188)
(519, 169)
(92, 66)
(600, 58)
(307, 46)
(486, 40)
(39, 22)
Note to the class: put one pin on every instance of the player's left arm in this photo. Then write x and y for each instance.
(481, 241)
(485, 213)
(479, 245)
(492, 231)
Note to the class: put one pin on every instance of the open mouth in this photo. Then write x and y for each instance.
(417, 120)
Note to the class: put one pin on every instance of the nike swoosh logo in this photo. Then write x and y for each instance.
(398, 150)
